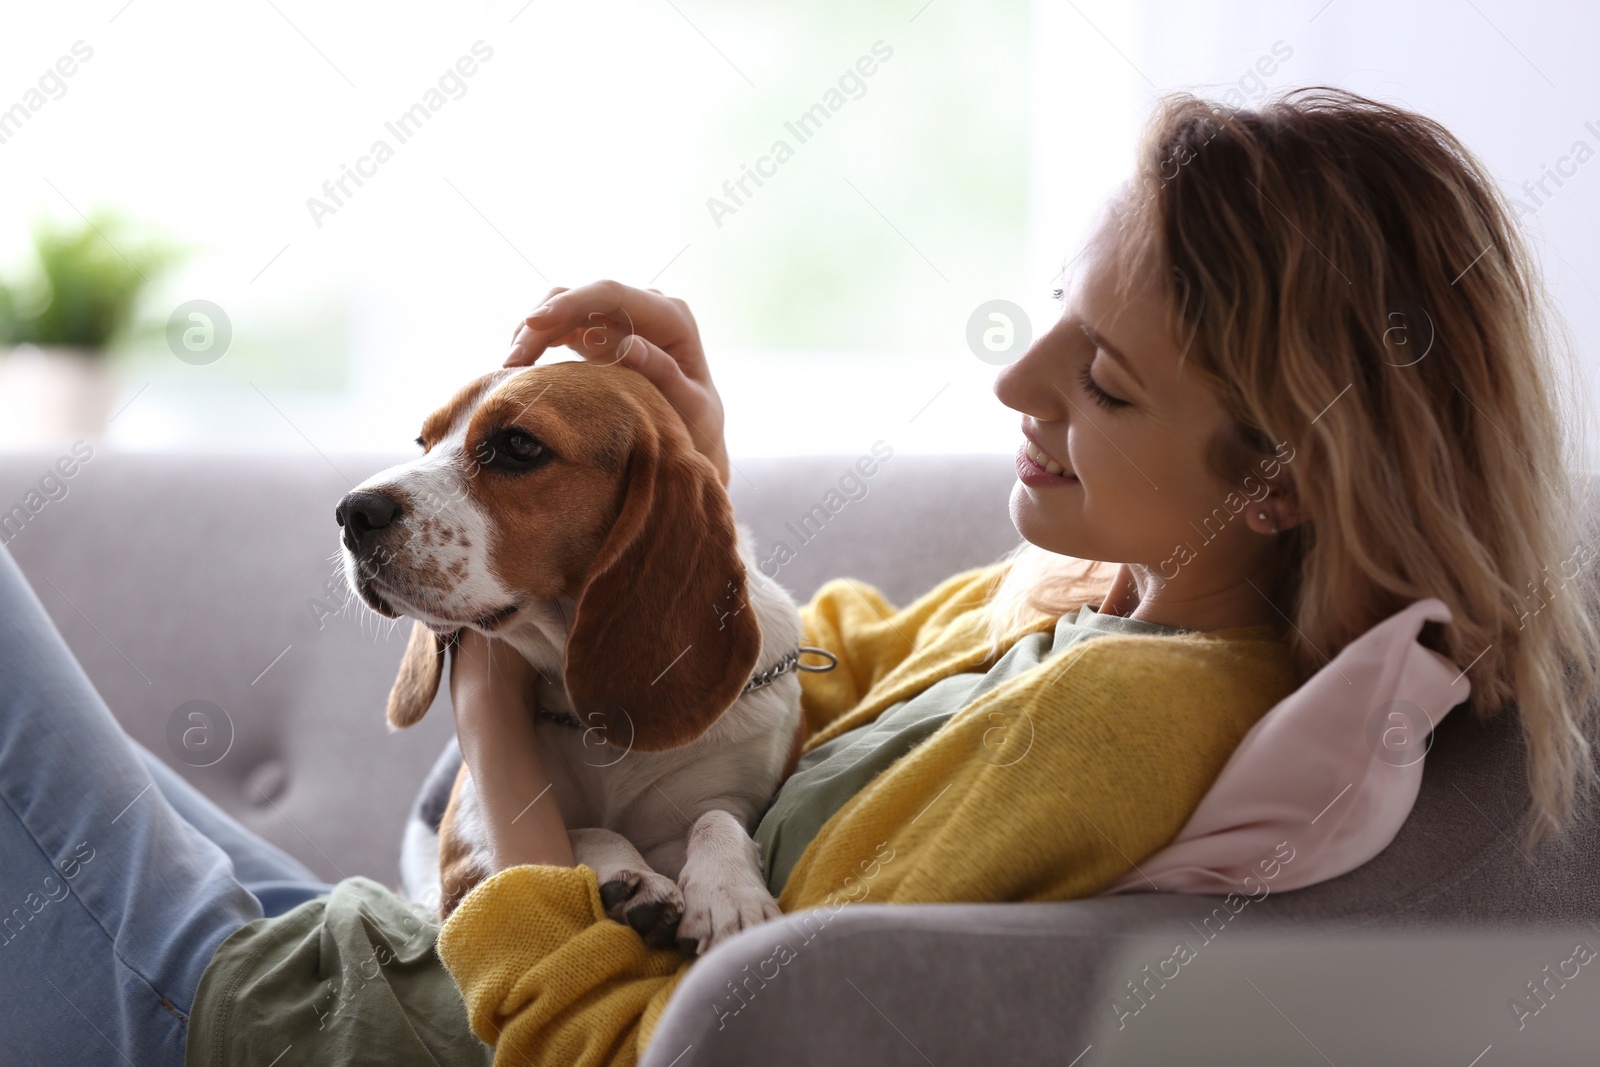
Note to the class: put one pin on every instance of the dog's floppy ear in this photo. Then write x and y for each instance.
(418, 680)
(663, 642)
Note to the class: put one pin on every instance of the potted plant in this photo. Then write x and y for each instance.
(58, 323)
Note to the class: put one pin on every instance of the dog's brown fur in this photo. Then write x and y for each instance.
(632, 522)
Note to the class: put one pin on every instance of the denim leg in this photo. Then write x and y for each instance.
(273, 876)
(111, 903)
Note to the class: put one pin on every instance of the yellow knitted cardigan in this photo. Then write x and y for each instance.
(1127, 734)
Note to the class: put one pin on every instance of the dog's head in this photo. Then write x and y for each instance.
(566, 480)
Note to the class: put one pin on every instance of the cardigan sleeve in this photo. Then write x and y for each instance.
(547, 977)
(871, 637)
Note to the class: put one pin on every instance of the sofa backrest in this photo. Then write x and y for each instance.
(213, 578)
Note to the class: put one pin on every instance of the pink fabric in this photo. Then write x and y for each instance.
(1332, 770)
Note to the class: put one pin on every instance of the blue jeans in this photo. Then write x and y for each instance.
(118, 879)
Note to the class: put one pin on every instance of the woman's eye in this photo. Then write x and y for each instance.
(1097, 394)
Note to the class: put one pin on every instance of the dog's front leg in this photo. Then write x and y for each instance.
(632, 893)
(723, 889)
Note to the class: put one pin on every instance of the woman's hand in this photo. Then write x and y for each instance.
(491, 689)
(606, 322)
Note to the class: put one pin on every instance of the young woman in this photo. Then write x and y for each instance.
(1302, 377)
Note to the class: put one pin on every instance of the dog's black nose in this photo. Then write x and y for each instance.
(364, 512)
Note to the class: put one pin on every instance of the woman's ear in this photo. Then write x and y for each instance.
(418, 680)
(1283, 504)
(663, 642)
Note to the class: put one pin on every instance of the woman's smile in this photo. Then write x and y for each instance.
(1036, 468)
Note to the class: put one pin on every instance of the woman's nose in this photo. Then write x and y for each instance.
(1029, 385)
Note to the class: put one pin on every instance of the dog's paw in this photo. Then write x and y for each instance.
(651, 903)
(714, 911)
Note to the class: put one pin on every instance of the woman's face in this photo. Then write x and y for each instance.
(1102, 395)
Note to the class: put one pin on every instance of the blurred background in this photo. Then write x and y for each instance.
(282, 226)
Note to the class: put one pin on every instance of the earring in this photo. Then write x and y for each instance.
(1263, 515)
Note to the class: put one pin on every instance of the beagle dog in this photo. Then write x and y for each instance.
(564, 510)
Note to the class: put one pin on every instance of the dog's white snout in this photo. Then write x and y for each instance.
(416, 543)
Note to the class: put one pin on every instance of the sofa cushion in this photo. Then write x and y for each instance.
(1325, 779)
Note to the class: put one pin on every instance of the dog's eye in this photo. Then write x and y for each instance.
(512, 449)
(521, 445)
(421, 443)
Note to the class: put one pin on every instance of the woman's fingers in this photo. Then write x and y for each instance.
(516, 333)
(606, 344)
(553, 292)
(525, 346)
(610, 345)
(663, 321)
(603, 341)
(648, 311)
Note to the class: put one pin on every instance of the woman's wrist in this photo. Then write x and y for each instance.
(523, 823)
(491, 690)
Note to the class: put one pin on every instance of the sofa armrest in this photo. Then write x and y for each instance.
(958, 984)
(909, 984)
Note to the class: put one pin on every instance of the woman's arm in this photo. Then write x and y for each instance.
(546, 976)
(490, 686)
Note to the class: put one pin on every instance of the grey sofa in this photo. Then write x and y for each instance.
(207, 578)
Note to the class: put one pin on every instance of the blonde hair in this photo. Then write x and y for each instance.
(1352, 284)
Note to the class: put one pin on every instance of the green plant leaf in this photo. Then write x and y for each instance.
(90, 274)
